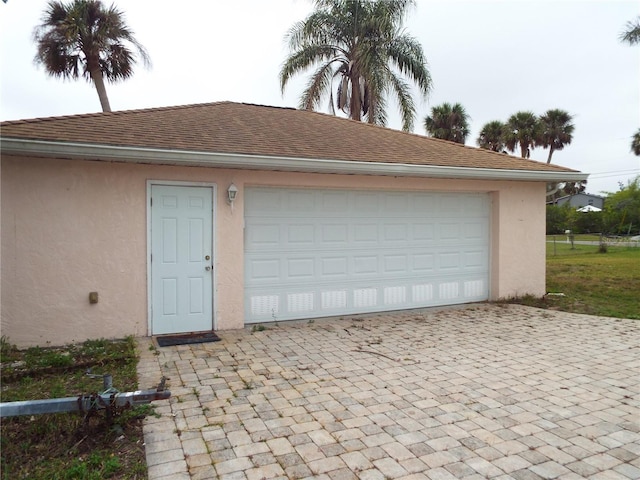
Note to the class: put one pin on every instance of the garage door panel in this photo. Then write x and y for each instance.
(422, 293)
(263, 270)
(474, 288)
(450, 204)
(333, 300)
(423, 263)
(302, 302)
(449, 231)
(397, 203)
(365, 233)
(333, 201)
(474, 231)
(395, 264)
(264, 306)
(475, 260)
(334, 267)
(448, 291)
(365, 265)
(335, 234)
(338, 252)
(476, 205)
(396, 295)
(261, 235)
(423, 202)
(423, 232)
(304, 233)
(365, 297)
(396, 232)
(263, 200)
(364, 202)
(300, 268)
(300, 201)
(448, 261)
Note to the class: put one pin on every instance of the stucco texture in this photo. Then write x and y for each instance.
(71, 227)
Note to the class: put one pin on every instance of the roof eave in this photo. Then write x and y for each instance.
(41, 148)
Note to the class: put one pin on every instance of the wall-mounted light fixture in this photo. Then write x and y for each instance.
(232, 194)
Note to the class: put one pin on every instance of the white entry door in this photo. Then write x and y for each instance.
(181, 259)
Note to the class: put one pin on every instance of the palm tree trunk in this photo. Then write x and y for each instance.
(550, 153)
(98, 81)
(523, 150)
(355, 107)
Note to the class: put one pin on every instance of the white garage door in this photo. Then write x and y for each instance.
(315, 253)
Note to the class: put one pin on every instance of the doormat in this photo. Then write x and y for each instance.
(191, 338)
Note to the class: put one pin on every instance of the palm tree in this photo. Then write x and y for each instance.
(492, 136)
(522, 129)
(632, 33)
(635, 143)
(358, 46)
(556, 131)
(448, 122)
(83, 38)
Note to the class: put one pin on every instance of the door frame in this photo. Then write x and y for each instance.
(214, 253)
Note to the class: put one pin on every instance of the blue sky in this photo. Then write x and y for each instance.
(494, 57)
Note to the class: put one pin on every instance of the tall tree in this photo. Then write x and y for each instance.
(622, 208)
(358, 47)
(556, 130)
(448, 122)
(522, 129)
(572, 188)
(631, 34)
(635, 143)
(491, 136)
(84, 38)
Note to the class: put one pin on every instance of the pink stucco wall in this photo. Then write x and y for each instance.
(71, 227)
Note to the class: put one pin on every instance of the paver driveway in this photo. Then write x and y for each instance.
(483, 391)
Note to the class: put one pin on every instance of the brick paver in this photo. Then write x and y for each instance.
(482, 391)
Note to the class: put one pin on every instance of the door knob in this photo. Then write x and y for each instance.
(207, 268)
(207, 257)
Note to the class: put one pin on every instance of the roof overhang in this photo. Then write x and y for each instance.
(110, 153)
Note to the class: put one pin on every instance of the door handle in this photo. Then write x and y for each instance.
(207, 268)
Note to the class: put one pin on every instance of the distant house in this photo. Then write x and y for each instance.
(216, 216)
(580, 200)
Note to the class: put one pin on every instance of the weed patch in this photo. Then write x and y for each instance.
(68, 445)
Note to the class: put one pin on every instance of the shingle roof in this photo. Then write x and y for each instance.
(239, 128)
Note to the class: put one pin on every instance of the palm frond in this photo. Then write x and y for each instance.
(402, 92)
(631, 34)
(305, 58)
(406, 54)
(318, 85)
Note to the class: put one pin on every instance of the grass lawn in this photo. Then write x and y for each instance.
(66, 445)
(606, 284)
